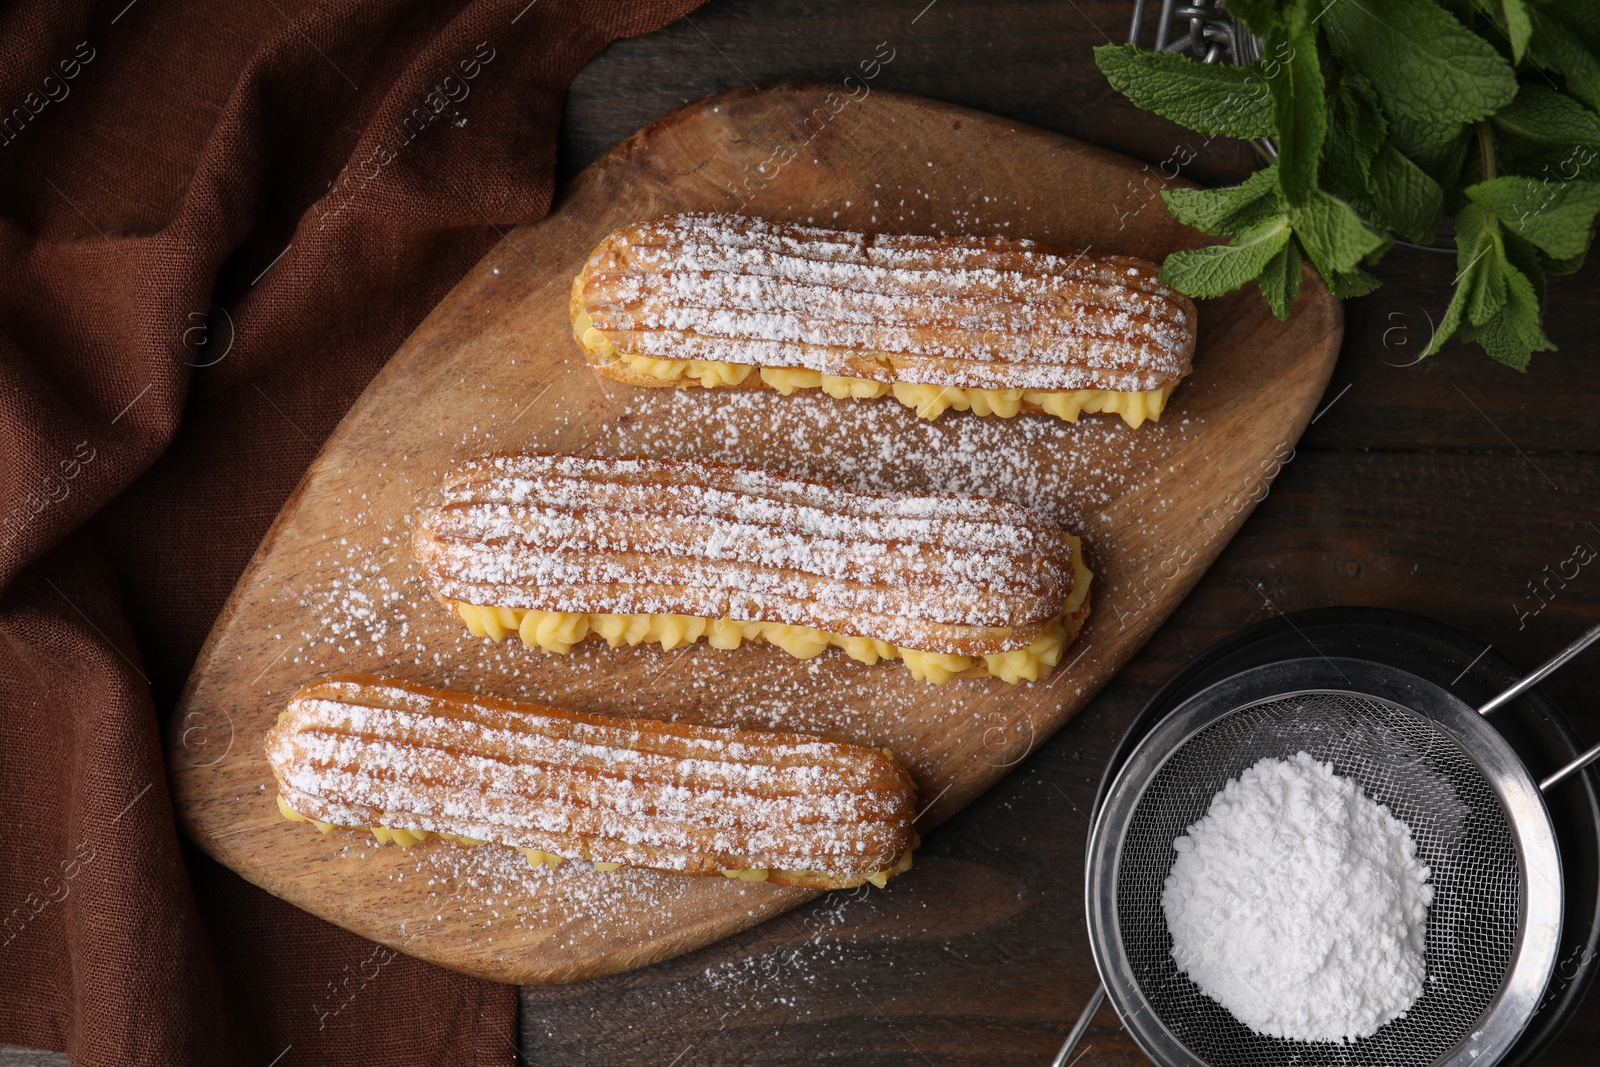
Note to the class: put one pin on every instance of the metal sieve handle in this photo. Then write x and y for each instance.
(1071, 1043)
(1555, 663)
(1577, 764)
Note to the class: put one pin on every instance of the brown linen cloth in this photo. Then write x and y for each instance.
(217, 221)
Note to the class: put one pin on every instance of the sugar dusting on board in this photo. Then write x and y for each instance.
(496, 890)
(1299, 904)
(1069, 471)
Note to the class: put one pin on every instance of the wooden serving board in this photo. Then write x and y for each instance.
(495, 367)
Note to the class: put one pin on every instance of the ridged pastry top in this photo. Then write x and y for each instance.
(983, 312)
(934, 572)
(362, 751)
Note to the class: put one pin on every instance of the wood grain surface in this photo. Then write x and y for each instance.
(495, 367)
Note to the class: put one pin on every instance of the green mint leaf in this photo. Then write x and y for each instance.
(1565, 265)
(1357, 132)
(1542, 115)
(1209, 97)
(1476, 233)
(1346, 284)
(1558, 217)
(1299, 111)
(1439, 150)
(1406, 196)
(1486, 293)
(1547, 134)
(1351, 283)
(1509, 16)
(1501, 342)
(1280, 279)
(1225, 211)
(1208, 272)
(1449, 324)
(1356, 135)
(1426, 65)
(1564, 42)
(1530, 261)
(1524, 310)
(1480, 262)
(1518, 24)
(1513, 333)
(1503, 302)
(1334, 235)
(1343, 284)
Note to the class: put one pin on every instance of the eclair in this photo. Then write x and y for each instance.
(558, 549)
(408, 762)
(987, 324)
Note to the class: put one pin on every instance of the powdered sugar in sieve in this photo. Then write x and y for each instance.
(1299, 904)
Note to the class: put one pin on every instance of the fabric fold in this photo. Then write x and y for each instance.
(216, 224)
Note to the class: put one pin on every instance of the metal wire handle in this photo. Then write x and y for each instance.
(1553, 664)
(1212, 35)
(1081, 1027)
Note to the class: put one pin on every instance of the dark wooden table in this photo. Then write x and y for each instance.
(1441, 488)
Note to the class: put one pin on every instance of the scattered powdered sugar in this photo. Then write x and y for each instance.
(1299, 904)
(1067, 471)
(986, 312)
(378, 754)
(659, 536)
(507, 901)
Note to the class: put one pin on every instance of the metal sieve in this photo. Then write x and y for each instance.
(1476, 813)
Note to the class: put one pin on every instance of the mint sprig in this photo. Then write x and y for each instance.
(1225, 101)
(1389, 115)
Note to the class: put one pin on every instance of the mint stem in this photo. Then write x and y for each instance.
(1486, 150)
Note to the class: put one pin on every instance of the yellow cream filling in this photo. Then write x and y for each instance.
(539, 858)
(558, 631)
(787, 380)
(930, 401)
(708, 372)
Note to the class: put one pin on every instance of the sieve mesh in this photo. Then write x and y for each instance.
(1399, 759)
